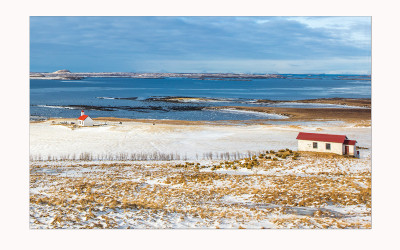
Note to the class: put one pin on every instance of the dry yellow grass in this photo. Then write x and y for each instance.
(116, 195)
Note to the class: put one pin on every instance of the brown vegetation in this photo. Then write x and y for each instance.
(127, 195)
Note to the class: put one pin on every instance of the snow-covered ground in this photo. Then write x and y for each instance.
(312, 191)
(191, 141)
(305, 191)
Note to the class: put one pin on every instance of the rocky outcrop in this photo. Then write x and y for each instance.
(36, 75)
(62, 71)
(63, 74)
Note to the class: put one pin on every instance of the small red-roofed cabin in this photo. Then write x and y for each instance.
(338, 144)
(85, 120)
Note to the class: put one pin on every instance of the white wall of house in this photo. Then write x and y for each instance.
(304, 145)
(351, 150)
(87, 122)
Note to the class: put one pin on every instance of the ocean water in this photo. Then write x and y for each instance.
(134, 98)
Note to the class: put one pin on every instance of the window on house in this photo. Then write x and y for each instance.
(328, 146)
(315, 144)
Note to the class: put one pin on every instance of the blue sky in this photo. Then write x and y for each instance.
(338, 45)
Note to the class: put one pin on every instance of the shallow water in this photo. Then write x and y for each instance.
(128, 97)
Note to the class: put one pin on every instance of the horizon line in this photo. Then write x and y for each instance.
(138, 72)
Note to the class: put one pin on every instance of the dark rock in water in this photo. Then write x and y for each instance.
(36, 75)
(187, 108)
(92, 107)
(125, 98)
(143, 109)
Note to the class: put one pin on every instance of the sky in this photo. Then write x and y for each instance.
(285, 45)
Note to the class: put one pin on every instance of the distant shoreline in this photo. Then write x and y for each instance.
(67, 75)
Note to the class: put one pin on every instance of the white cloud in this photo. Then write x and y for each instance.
(332, 22)
(352, 30)
(356, 65)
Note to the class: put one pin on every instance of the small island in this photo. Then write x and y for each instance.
(63, 74)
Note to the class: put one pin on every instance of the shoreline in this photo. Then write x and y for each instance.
(310, 114)
(358, 102)
(350, 102)
(292, 114)
(281, 122)
(359, 110)
(349, 115)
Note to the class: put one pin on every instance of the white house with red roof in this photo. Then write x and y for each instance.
(328, 143)
(85, 120)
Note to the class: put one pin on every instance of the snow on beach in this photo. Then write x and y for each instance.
(135, 137)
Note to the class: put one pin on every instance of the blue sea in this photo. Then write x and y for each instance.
(137, 98)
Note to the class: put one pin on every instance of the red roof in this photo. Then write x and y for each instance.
(350, 142)
(321, 137)
(83, 117)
